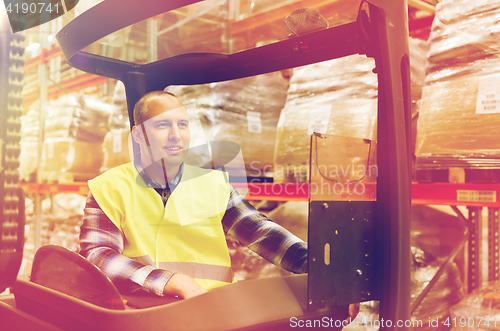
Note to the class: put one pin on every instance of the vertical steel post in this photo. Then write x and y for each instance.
(152, 35)
(42, 83)
(474, 251)
(493, 244)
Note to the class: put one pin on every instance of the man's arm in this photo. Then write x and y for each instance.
(101, 242)
(266, 238)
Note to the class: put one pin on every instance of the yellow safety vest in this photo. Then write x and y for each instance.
(185, 236)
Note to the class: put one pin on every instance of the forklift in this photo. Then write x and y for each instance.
(371, 261)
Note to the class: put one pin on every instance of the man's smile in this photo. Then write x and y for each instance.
(173, 149)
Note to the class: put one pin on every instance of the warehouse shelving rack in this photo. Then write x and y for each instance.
(273, 188)
(73, 84)
(474, 196)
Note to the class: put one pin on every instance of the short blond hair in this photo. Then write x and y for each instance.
(141, 109)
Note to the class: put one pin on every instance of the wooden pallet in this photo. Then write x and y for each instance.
(458, 175)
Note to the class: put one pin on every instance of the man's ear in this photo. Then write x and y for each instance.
(137, 134)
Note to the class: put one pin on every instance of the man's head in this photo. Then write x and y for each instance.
(141, 106)
(161, 129)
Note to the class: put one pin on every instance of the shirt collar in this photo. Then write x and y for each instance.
(150, 182)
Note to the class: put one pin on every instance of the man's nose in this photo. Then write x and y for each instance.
(174, 133)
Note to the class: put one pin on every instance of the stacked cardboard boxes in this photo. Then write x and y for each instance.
(337, 97)
(244, 112)
(75, 127)
(115, 146)
(460, 107)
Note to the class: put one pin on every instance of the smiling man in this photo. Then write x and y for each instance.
(163, 136)
(159, 224)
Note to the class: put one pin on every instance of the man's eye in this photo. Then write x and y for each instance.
(161, 125)
(183, 125)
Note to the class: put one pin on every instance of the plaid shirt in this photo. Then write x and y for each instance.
(102, 243)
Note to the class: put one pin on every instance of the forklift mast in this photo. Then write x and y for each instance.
(11, 197)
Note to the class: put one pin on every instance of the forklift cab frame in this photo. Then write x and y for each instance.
(380, 31)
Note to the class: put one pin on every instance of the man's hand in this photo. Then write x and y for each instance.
(183, 286)
(353, 312)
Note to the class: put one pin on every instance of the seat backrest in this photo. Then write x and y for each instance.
(66, 271)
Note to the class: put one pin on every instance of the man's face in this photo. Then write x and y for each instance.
(167, 134)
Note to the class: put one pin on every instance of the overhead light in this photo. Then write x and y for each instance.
(50, 37)
(32, 47)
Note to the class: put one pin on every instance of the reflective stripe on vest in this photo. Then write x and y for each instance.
(185, 236)
(193, 270)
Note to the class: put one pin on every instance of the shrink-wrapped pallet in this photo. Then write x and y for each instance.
(28, 158)
(337, 97)
(479, 310)
(69, 159)
(91, 120)
(206, 34)
(459, 116)
(244, 112)
(463, 32)
(59, 116)
(75, 126)
(118, 118)
(454, 128)
(418, 61)
(248, 116)
(446, 292)
(30, 124)
(116, 149)
(81, 117)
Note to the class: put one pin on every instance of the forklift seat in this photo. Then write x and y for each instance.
(65, 271)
